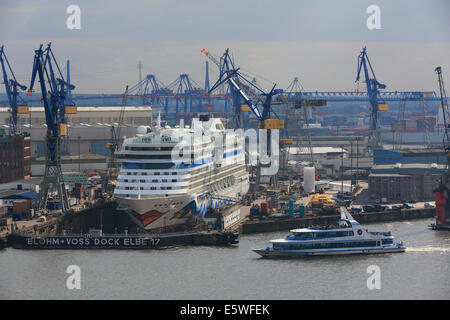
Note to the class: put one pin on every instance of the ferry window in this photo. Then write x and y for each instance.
(333, 234)
(156, 173)
(174, 180)
(144, 173)
(154, 180)
(152, 188)
(174, 173)
(142, 180)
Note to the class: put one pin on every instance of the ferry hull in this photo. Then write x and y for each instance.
(295, 254)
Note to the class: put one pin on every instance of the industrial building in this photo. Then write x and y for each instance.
(79, 163)
(88, 130)
(14, 156)
(426, 156)
(402, 182)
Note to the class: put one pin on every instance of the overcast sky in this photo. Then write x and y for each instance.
(317, 41)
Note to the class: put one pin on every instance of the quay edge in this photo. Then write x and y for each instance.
(282, 224)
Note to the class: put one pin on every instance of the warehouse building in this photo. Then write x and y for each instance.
(14, 157)
(88, 130)
(401, 182)
(409, 156)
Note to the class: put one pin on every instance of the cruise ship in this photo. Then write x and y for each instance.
(348, 237)
(170, 176)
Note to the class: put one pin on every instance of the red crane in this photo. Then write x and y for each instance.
(442, 193)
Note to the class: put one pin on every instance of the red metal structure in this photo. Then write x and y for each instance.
(442, 193)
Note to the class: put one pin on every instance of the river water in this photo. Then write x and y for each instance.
(422, 272)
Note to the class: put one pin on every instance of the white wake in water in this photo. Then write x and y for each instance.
(428, 249)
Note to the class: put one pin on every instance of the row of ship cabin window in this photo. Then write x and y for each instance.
(330, 245)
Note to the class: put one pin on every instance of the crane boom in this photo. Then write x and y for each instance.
(113, 146)
(121, 115)
(12, 89)
(442, 193)
(445, 110)
(53, 98)
(237, 81)
(373, 87)
(230, 74)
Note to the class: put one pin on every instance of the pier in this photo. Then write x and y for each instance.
(282, 224)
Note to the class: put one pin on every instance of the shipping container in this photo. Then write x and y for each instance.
(264, 208)
(21, 206)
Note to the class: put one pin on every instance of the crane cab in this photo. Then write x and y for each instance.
(70, 109)
(23, 109)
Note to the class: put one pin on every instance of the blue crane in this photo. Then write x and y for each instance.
(373, 87)
(252, 95)
(53, 97)
(12, 88)
(242, 88)
(185, 90)
(152, 91)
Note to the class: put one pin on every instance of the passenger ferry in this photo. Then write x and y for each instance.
(348, 237)
(170, 176)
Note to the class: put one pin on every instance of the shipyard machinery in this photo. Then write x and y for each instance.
(442, 193)
(53, 90)
(373, 86)
(252, 95)
(114, 145)
(12, 88)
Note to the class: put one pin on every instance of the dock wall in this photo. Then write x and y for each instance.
(363, 218)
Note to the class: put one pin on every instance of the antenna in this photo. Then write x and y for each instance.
(139, 66)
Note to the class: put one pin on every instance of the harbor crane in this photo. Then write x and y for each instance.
(12, 88)
(252, 95)
(53, 98)
(442, 193)
(373, 87)
(114, 145)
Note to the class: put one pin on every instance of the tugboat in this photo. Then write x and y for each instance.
(348, 237)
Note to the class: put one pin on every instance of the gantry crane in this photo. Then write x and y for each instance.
(53, 98)
(12, 88)
(237, 82)
(373, 87)
(442, 193)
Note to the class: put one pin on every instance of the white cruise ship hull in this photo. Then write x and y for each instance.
(168, 213)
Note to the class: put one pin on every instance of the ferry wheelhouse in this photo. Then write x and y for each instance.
(348, 237)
